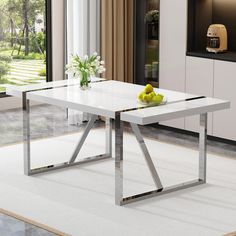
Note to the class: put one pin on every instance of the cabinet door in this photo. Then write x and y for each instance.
(173, 30)
(199, 81)
(224, 122)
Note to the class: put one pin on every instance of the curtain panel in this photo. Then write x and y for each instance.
(83, 36)
(117, 46)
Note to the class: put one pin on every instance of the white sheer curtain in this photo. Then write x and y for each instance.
(83, 36)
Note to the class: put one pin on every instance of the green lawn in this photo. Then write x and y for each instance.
(23, 72)
(31, 56)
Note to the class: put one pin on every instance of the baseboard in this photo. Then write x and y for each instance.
(194, 134)
(32, 222)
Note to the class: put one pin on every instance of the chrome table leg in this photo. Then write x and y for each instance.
(118, 160)
(83, 138)
(109, 136)
(27, 155)
(26, 133)
(64, 165)
(120, 200)
(203, 147)
(147, 156)
(156, 193)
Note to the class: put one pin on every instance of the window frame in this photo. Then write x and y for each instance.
(49, 58)
(48, 12)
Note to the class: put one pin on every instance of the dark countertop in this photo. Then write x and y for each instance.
(225, 56)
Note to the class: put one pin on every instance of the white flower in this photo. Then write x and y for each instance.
(90, 65)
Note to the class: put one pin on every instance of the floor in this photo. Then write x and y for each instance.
(206, 210)
(80, 200)
(12, 227)
(46, 121)
(51, 121)
(23, 72)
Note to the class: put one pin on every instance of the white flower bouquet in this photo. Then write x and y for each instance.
(85, 67)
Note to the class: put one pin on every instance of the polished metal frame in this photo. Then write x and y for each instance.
(119, 199)
(119, 127)
(72, 162)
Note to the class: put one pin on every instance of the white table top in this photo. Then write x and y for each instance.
(106, 98)
(174, 110)
(17, 91)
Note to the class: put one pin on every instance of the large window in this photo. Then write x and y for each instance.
(23, 42)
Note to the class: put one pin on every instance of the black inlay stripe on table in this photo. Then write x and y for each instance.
(143, 107)
(196, 98)
(62, 86)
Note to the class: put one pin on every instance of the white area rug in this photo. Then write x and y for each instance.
(80, 200)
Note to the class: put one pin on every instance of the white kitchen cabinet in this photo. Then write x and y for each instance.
(195, 75)
(199, 81)
(224, 122)
(173, 31)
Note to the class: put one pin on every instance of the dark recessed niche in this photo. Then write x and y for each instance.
(201, 14)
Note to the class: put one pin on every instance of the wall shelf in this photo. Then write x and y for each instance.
(201, 14)
(227, 56)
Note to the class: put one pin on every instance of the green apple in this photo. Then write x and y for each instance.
(140, 96)
(158, 99)
(148, 88)
(147, 98)
(152, 94)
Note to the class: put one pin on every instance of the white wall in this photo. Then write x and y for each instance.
(173, 32)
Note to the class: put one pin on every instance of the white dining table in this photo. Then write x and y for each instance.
(117, 101)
